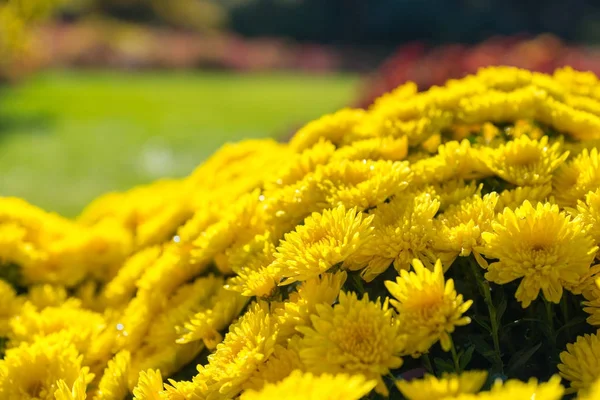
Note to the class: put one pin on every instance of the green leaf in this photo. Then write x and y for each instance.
(483, 348)
(573, 322)
(465, 358)
(443, 365)
(501, 309)
(480, 321)
(521, 357)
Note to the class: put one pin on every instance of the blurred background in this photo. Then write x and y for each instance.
(102, 95)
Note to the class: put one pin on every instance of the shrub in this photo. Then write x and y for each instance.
(441, 244)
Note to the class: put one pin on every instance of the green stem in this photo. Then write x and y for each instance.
(564, 308)
(427, 363)
(455, 357)
(484, 288)
(550, 318)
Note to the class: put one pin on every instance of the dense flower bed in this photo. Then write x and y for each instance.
(441, 244)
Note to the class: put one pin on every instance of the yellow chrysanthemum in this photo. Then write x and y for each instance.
(580, 363)
(149, 386)
(590, 213)
(459, 229)
(379, 148)
(249, 343)
(361, 184)
(449, 385)
(306, 386)
(525, 161)
(281, 364)
(542, 245)
(578, 177)
(335, 127)
(47, 295)
(428, 308)
(323, 240)
(515, 389)
(114, 382)
(513, 198)
(77, 392)
(402, 231)
(10, 305)
(32, 370)
(296, 311)
(252, 264)
(454, 191)
(591, 393)
(356, 336)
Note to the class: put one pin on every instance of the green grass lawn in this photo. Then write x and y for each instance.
(67, 137)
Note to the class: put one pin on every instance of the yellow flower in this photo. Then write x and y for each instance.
(356, 336)
(577, 177)
(114, 382)
(591, 393)
(248, 344)
(80, 324)
(47, 295)
(335, 127)
(517, 390)
(306, 386)
(281, 364)
(149, 386)
(590, 213)
(459, 229)
(580, 363)
(321, 242)
(513, 198)
(252, 264)
(10, 305)
(296, 311)
(454, 191)
(525, 162)
(78, 391)
(361, 184)
(449, 385)
(32, 370)
(428, 308)
(540, 244)
(402, 231)
(378, 148)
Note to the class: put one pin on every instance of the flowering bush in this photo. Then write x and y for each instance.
(441, 244)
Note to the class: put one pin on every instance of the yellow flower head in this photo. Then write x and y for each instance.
(590, 213)
(513, 198)
(428, 308)
(10, 305)
(354, 336)
(306, 386)
(361, 184)
(114, 382)
(515, 389)
(324, 240)
(580, 363)
(47, 295)
(525, 162)
(149, 386)
(402, 232)
(337, 128)
(449, 385)
(577, 177)
(77, 392)
(301, 304)
(252, 264)
(281, 364)
(32, 371)
(248, 344)
(378, 148)
(591, 393)
(454, 191)
(459, 229)
(541, 245)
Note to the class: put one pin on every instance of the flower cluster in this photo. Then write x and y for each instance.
(441, 244)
